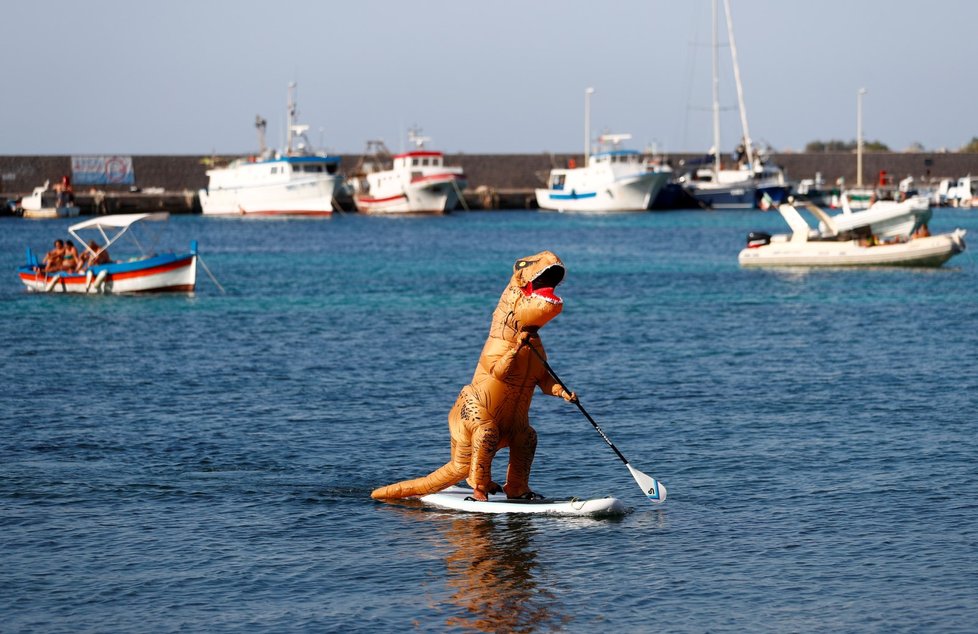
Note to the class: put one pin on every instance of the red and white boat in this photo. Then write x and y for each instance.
(417, 182)
(148, 272)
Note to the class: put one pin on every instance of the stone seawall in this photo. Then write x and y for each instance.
(511, 178)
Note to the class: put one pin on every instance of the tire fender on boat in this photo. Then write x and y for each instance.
(100, 280)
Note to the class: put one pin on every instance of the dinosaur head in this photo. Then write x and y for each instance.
(529, 300)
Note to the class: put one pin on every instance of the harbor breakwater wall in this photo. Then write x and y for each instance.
(496, 181)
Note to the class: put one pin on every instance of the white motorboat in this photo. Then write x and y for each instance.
(45, 203)
(416, 182)
(295, 182)
(613, 180)
(852, 239)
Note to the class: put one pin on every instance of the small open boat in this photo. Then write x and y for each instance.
(45, 203)
(146, 272)
(892, 235)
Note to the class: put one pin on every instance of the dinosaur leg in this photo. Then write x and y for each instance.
(522, 448)
(485, 441)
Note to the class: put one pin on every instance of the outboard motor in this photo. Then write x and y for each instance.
(758, 239)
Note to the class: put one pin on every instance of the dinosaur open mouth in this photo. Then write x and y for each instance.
(543, 285)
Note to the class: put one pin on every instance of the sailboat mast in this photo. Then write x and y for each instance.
(740, 87)
(716, 91)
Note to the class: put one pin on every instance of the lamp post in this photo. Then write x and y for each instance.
(587, 124)
(859, 137)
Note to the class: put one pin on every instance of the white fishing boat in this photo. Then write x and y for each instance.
(613, 180)
(296, 181)
(145, 271)
(749, 179)
(884, 235)
(415, 182)
(45, 203)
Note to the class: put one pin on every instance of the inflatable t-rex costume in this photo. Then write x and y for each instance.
(492, 412)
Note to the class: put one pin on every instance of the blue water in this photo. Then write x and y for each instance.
(203, 464)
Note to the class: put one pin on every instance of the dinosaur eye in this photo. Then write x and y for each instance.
(522, 264)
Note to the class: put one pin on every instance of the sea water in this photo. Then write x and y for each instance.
(203, 463)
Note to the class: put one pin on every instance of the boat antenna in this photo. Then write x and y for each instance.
(260, 124)
(613, 140)
(414, 136)
(290, 117)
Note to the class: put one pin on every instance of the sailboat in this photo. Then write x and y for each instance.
(744, 184)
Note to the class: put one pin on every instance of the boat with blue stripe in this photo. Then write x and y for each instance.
(613, 180)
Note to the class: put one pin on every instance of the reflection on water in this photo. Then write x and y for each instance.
(494, 575)
(494, 578)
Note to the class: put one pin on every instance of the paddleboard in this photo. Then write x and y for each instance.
(455, 498)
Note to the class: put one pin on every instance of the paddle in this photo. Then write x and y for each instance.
(654, 490)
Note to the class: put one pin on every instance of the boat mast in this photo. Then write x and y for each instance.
(740, 87)
(716, 91)
(859, 137)
(587, 125)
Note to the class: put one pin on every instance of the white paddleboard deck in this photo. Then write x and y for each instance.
(455, 498)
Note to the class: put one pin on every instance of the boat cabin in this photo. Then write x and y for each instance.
(305, 164)
(414, 160)
(617, 157)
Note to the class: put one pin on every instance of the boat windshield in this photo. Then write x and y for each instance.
(315, 168)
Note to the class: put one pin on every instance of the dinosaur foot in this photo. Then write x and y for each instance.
(529, 495)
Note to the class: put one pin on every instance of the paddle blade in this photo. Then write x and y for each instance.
(653, 489)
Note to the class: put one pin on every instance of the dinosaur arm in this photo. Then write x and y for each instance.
(498, 356)
(550, 387)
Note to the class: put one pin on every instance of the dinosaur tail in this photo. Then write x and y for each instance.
(437, 480)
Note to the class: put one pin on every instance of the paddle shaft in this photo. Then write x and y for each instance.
(577, 402)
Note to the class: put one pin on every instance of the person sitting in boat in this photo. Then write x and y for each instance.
(93, 256)
(69, 260)
(922, 231)
(52, 260)
(740, 154)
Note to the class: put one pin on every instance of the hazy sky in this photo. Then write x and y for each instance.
(182, 77)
